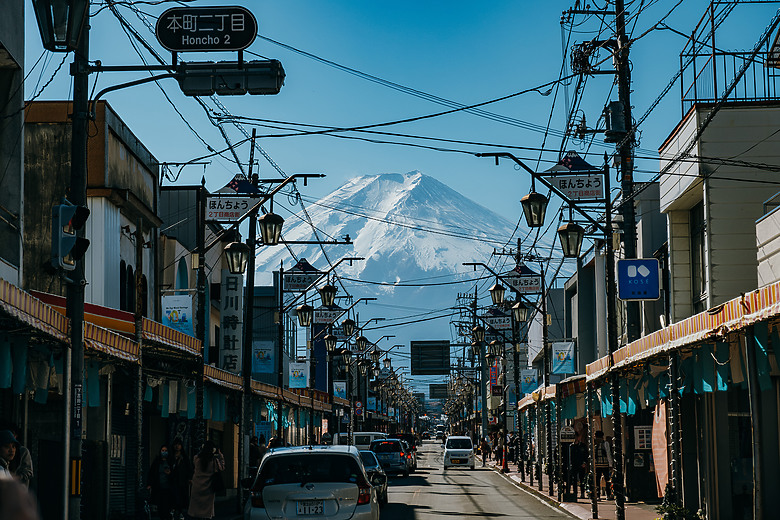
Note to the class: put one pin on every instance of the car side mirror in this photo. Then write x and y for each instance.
(247, 482)
(377, 479)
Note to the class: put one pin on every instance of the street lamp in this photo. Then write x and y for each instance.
(60, 23)
(237, 254)
(479, 333)
(520, 312)
(330, 342)
(534, 207)
(387, 363)
(375, 355)
(270, 228)
(305, 314)
(328, 294)
(361, 343)
(348, 326)
(497, 293)
(571, 235)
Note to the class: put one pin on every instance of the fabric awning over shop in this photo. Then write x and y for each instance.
(571, 386)
(264, 390)
(525, 402)
(159, 333)
(103, 340)
(338, 401)
(33, 312)
(222, 378)
(733, 315)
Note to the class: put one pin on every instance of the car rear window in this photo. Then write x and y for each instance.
(385, 446)
(363, 439)
(369, 459)
(458, 444)
(302, 468)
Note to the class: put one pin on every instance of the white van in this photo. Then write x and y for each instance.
(361, 440)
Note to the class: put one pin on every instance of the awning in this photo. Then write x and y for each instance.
(525, 402)
(103, 340)
(33, 312)
(736, 314)
(223, 378)
(572, 385)
(163, 335)
(340, 402)
(265, 390)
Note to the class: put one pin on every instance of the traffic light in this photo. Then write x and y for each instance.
(258, 77)
(66, 247)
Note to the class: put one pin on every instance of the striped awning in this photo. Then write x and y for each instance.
(33, 312)
(163, 335)
(525, 402)
(110, 343)
(572, 385)
(223, 378)
(340, 402)
(265, 390)
(714, 323)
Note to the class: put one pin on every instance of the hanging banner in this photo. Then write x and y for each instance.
(177, 313)
(263, 357)
(231, 322)
(528, 380)
(371, 405)
(299, 375)
(660, 445)
(340, 389)
(563, 357)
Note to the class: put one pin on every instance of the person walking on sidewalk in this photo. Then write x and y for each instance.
(603, 463)
(484, 448)
(578, 460)
(207, 462)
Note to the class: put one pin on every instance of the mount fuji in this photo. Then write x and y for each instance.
(414, 233)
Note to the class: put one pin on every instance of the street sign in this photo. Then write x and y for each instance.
(523, 280)
(358, 404)
(358, 411)
(296, 281)
(584, 186)
(327, 315)
(499, 322)
(228, 208)
(568, 434)
(639, 279)
(204, 29)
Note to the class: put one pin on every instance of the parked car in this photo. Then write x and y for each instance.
(411, 439)
(312, 482)
(391, 455)
(458, 452)
(426, 436)
(376, 474)
(411, 456)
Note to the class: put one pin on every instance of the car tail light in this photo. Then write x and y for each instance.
(409, 456)
(401, 454)
(364, 492)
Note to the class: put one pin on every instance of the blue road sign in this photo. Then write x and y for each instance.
(638, 279)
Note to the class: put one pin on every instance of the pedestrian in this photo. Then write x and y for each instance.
(603, 463)
(16, 501)
(159, 481)
(275, 442)
(21, 466)
(578, 466)
(8, 447)
(484, 449)
(256, 451)
(181, 474)
(207, 462)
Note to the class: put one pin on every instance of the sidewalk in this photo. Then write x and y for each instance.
(582, 507)
(225, 508)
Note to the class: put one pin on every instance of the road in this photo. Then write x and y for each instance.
(432, 493)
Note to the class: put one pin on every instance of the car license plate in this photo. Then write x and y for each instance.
(310, 507)
(458, 461)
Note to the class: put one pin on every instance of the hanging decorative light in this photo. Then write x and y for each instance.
(236, 254)
(571, 235)
(387, 363)
(328, 294)
(348, 326)
(330, 342)
(534, 207)
(478, 333)
(361, 343)
(520, 312)
(375, 354)
(305, 314)
(497, 293)
(270, 228)
(60, 23)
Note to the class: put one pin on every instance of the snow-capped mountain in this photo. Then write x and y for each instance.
(404, 225)
(414, 233)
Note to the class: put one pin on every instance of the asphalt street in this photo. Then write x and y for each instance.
(432, 493)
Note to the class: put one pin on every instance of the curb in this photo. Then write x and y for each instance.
(546, 499)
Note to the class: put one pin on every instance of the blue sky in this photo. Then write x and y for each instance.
(468, 52)
(463, 51)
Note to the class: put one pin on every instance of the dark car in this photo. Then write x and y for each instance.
(411, 439)
(391, 455)
(375, 474)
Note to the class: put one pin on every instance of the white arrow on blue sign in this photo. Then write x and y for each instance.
(639, 279)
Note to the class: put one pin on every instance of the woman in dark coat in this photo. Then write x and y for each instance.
(180, 479)
(160, 483)
(208, 461)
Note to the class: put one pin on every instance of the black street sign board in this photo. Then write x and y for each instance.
(430, 358)
(204, 29)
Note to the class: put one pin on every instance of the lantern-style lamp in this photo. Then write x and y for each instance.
(497, 293)
(534, 207)
(571, 235)
(375, 355)
(236, 254)
(347, 354)
(348, 326)
(328, 294)
(305, 314)
(478, 333)
(270, 228)
(387, 363)
(520, 312)
(361, 343)
(60, 23)
(330, 342)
